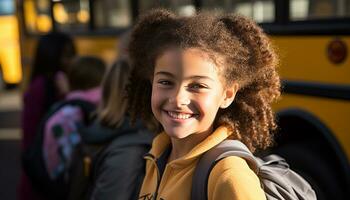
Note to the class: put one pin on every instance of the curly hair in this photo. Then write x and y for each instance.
(239, 48)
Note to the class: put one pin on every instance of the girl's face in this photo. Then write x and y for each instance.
(187, 92)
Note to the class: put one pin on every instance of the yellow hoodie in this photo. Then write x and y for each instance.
(231, 178)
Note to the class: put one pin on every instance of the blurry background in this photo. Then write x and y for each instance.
(311, 37)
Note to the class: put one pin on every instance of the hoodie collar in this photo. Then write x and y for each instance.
(162, 142)
(92, 95)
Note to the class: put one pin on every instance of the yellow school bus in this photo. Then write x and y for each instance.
(311, 37)
(38, 17)
(10, 63)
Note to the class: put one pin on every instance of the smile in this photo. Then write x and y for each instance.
(177, 115)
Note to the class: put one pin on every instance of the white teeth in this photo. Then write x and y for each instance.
(179, 115)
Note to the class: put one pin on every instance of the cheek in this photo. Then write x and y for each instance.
(206, 102)
(156, 99)
(209, 104)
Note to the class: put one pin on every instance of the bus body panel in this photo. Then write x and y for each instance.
(104, 47)
(10, 50)
(305, 58)
(331, 112)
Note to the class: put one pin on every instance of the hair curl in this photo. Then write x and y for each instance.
(113, 104)
(248, 59)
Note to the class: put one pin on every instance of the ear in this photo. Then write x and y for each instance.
(229, 95)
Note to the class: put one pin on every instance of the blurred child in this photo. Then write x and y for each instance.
(205, 79)
(118, 168)
(61, 128)
(47, 85)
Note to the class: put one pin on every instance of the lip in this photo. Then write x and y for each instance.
(168, 114)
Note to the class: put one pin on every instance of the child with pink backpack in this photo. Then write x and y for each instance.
(47, 161)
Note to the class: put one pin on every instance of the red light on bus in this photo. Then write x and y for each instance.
(337, 51)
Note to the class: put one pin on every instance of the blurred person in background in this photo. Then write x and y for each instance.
(61, 128)
(47, 85)
(118, 169)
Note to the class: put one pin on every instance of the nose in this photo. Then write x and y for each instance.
(180, 98)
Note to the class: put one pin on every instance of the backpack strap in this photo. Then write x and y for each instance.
(86, 107)
(209, 159)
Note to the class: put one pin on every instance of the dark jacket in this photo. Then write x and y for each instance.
(40, 95)
(119, 168)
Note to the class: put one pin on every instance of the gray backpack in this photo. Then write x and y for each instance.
(278, 180)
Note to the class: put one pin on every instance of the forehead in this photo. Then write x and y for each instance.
(192, 61)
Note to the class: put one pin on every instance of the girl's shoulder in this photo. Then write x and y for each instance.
(232, 167)
(233, 177)
(37, 84)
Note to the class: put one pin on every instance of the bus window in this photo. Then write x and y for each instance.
(7, 7)
(147, 5)
(37, 16)
(181, 7)
(71, 15)
(261, 11)
(319, 9)
(218, 6)
(112, 14)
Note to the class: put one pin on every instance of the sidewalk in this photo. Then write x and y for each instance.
(10, 134)
(10, 108)
(10, 100)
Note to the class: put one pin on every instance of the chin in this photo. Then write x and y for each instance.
(177, 134)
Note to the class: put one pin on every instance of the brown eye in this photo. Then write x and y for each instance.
(164, 83)
(197, 86)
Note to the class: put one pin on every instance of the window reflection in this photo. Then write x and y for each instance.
(260, 11)
(7, 7)
(181, 7)
(319, 9)
(71, 15)
(112, 13)
(37, 16)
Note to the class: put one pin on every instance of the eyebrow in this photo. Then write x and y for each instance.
(191, 77)
(165, 74)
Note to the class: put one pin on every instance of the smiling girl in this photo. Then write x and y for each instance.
(202, 80)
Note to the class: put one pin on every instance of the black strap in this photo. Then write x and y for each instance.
(209, 159)
(86, 107)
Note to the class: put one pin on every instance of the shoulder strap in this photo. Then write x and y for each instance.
(85, 106)
(208, 160)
